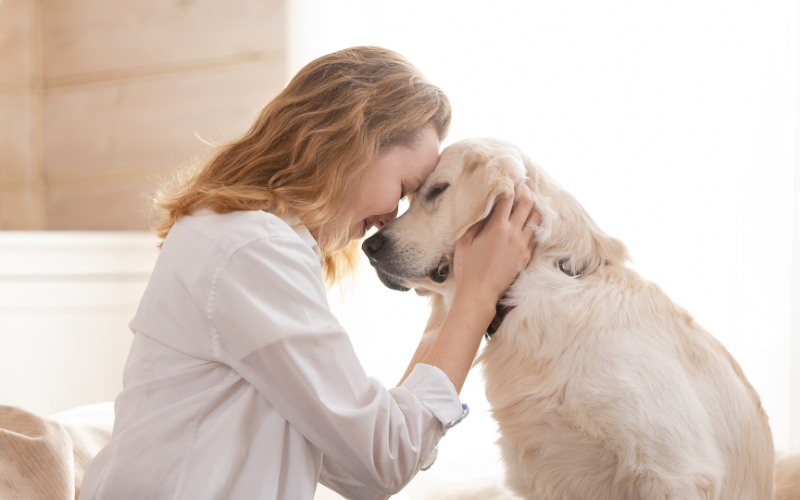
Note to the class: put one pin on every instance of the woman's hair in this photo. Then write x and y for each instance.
(308, 144)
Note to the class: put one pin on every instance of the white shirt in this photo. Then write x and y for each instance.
(241, 384)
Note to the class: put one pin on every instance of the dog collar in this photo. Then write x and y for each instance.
(501, 309)
(500, 314)
(565, 271)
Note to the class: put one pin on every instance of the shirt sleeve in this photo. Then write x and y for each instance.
(339, 480)
(274, 327)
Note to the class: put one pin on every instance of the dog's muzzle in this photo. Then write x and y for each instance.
(376, 247)
(379, 251)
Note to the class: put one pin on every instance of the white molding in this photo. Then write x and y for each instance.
(66, 298)
(76, 253)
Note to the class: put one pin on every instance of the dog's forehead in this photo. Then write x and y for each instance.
(449, 165)
(451, 160)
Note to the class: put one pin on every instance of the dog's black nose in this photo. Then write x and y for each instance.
(372, 246)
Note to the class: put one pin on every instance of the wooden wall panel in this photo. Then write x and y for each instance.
(16, 135)
(102, 37)
(19, 198)
(110, 205)
(16, 43)
(149, 125)
(18, 208)
(100, 97)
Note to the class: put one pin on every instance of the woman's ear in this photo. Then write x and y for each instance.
(482, 183)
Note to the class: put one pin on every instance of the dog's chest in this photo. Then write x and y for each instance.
(522, 368)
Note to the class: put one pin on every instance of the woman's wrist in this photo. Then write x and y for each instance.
(476, 302)
(476, 307)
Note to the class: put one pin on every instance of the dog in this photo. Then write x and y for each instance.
(787, 477)
(601, 386)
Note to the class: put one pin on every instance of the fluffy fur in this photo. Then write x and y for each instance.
(602, 387)
(787, 477)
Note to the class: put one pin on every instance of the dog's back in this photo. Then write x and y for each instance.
(603, 388)
(787, 478)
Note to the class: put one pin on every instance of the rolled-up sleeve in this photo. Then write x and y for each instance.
(273, 325)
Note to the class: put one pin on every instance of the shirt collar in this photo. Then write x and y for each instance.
(294, 222)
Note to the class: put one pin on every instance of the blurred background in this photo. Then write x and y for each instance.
(675, 124)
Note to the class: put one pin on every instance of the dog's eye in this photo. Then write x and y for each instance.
(436, 191)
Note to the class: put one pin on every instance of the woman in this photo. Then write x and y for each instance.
(240, 383)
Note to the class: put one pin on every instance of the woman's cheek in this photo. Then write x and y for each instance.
(392, 202)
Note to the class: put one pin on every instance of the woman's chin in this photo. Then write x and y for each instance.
(357, 231)
(361, 229)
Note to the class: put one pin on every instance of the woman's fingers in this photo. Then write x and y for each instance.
(522, 211)
(472, 232)
(533, 221)
(506, 210)
(535, 218)
(502, 210)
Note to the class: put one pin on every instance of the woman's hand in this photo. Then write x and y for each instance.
(487, 259)
(489, 256)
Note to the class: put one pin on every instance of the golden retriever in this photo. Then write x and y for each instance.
(787, 477)
(602, 387)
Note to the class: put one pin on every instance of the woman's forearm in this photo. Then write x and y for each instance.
(422, 350)
(454, 348)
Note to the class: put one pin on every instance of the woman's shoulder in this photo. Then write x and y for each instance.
(229, 232)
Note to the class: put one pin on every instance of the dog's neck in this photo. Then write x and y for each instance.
(441, 303)
(501, 310)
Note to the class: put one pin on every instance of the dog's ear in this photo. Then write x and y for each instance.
(569, 236)
(482, 183)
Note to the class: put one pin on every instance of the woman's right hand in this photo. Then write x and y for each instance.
(489, 256)
(487, 259)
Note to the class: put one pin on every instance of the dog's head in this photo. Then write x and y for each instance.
(416, 249)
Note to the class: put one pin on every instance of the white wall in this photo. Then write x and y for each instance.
(65, 302)
(674, 123)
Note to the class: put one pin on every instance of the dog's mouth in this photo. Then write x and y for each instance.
(392, 281)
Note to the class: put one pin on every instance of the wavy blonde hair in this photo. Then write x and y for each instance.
(309, 143)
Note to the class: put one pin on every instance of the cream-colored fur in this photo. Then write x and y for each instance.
(787, 477)
(602, 387)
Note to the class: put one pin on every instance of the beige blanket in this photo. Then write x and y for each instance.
(44, 458)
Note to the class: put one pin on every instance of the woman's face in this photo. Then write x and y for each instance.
(373, 198)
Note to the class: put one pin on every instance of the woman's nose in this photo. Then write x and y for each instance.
(387, 218)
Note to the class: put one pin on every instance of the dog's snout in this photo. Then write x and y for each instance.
(373, 245)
